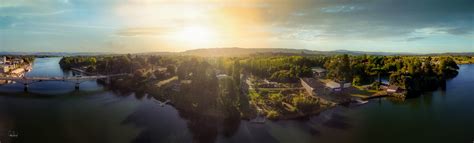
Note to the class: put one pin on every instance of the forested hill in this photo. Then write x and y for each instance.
(235, 52)
(231, 52)
(244, 51)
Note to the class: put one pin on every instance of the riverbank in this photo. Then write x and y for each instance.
(126, 117)
(239, 86)
(18, 71)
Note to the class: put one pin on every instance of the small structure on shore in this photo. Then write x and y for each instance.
(393, 89)
(17, 71)
(3, 60)
(17, 61)
(318, 71)
(5, 68)
(333, 86)
(311, 85)
(268, 84)
(221, 76)
(337, 86)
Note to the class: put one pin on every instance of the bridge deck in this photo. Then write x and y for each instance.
(60, 78)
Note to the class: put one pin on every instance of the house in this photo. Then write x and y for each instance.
(318, 72)
(313, 86)
(268, 84)
(18, 71)
(309, 84)
(3, 60)
(17, 61)
(393, 89)
(5, 68)
(336, 86)
(221, 76)
(333, 86)
(185, 81)
(346, 85)
(161, 69)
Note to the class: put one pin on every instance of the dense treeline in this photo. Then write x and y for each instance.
(282, 68)
(415, 73)
(201, 89)
(205, 99)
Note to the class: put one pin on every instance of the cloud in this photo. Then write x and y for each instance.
(143, 31)
(378, 19)
(460, 30)
(286, 22)
(414, 39)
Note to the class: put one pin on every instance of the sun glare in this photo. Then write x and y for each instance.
(196, 35)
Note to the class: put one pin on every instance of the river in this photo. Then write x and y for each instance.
(53, 112)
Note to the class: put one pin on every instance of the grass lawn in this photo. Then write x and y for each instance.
(359, 91)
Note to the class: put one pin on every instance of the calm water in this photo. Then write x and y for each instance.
(54, 113)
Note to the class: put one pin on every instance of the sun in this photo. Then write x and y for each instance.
(196, 35)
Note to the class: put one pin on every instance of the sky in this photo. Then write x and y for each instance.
(135, 26)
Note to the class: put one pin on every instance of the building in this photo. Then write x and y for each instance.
(221, 76)
(336, 87)
(333, 86)
(393, 89)
(5, 68)
(311, 85)
(318, 72)
(161, 69)
(17, 61)
(3, 60)
(19, 72)
(268, 84)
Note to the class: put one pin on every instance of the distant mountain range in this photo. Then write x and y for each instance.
(250, 51)
(234, 51)
(54, 53)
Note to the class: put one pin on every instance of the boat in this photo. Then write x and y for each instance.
(360, 101)
(164, 103)
(12, 134)
(354, 103)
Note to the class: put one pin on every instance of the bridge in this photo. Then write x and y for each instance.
(76, 79)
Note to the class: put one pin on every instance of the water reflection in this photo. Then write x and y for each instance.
(157, 124)
(338, 121)
(96, 114)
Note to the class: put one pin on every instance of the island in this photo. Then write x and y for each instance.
(269, 86)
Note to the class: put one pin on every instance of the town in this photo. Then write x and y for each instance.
(14, 66)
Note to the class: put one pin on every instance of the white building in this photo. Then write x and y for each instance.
(3, 60)
(333, 86)
(318, 72)
(336, 87)
(4, 68)
(221, 76)
(393, 89)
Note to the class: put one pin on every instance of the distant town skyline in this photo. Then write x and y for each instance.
(136, 26)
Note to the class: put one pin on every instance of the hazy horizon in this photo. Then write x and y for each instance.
(138, 26)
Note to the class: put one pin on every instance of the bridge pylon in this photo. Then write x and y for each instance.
(76, 86)
(25, 87)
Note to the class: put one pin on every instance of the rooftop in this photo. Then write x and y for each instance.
(313, 82)
(393, 87)
(332, 84)
(318, 69)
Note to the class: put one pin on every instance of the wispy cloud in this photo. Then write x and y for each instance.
(338, 24)
(69, 25)
(143, 31)
(46, 13)
(410, 39)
